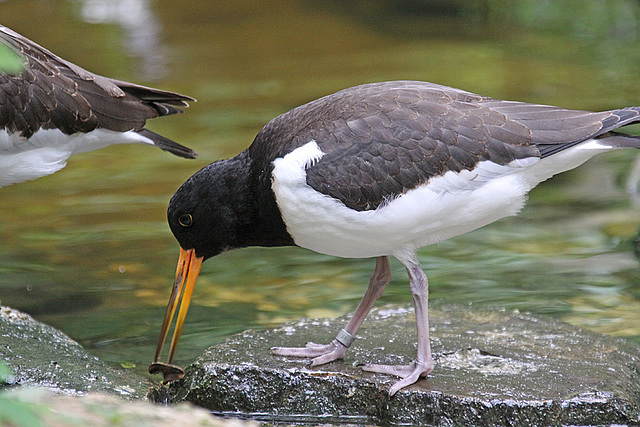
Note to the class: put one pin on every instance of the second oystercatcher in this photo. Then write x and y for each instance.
(51, 109)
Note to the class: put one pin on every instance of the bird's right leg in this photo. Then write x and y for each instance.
(423, 365)
(336, 349)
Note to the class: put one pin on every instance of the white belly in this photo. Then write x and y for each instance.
(47, 151)
(448, 206)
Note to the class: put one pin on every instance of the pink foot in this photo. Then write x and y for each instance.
(409, 373)
(321, 353)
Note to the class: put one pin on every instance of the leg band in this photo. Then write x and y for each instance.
(345, 338)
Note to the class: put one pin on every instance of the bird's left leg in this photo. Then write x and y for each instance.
(423, 365)
(336, 349)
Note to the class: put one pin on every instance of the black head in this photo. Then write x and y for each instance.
(206, 212)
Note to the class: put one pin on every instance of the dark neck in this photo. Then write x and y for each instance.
(259, 220)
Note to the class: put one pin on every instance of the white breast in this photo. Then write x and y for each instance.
(445, 207)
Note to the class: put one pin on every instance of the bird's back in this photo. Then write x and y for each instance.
(383, 139)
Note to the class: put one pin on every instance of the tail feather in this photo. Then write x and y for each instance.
(168, 145)
(605, 132)
(164, 102)
(620, 140)
(621, 117)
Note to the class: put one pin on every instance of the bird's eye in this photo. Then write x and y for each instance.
(186, 220)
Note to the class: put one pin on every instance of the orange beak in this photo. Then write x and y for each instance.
(189, 266)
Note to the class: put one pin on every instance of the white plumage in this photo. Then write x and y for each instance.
(47, 151)
(446, 206)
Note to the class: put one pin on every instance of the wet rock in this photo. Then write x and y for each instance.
(38, 407)
(492, 368)
(39, 355)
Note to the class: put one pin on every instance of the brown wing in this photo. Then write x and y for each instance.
(381, 140)
(53, 93)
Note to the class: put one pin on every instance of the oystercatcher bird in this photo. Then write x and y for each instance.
(374, 171)
(51, 109)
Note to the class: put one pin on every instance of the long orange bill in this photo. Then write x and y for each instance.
(186, 274)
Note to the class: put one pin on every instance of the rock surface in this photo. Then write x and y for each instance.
(39, 355)
(37, 407)
(492, 368)
(50, 380)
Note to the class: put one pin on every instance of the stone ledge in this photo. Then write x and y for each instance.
(492, 368)
(40, 355)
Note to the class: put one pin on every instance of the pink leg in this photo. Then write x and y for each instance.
(336, 349)
(423, 365)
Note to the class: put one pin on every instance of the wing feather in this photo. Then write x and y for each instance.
(381, 140)
(50, 92)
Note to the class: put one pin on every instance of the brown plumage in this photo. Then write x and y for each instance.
(52, 93)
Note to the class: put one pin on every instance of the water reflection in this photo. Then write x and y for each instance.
(633, 183)
(141, 30)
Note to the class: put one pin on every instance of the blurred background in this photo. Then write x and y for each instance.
(88, 250)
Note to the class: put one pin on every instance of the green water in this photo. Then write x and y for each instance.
(88, 251)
